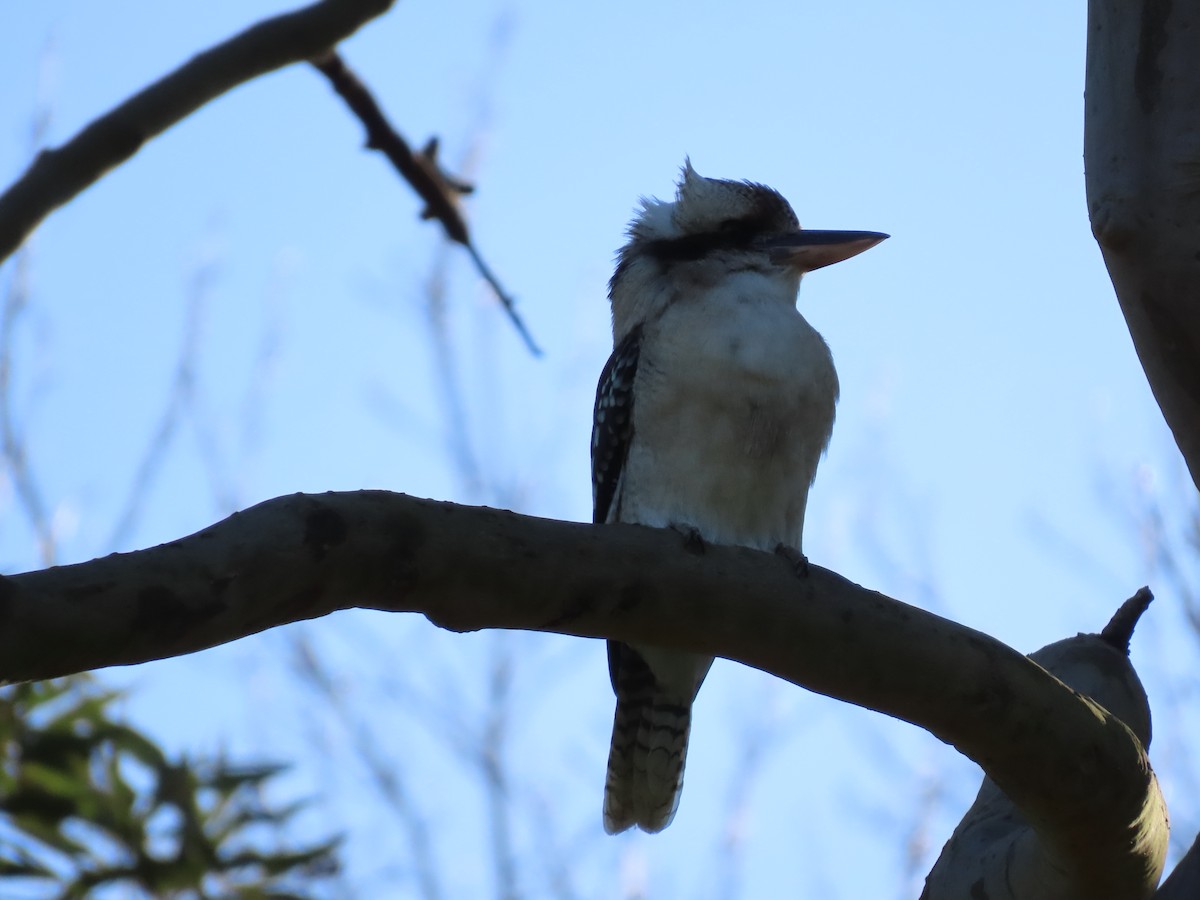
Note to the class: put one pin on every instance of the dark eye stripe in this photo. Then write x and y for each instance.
(735, 234)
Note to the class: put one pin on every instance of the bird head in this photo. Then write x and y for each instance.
(717, 229)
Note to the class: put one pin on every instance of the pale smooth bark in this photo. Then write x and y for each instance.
(1142, 156)
(997, 852)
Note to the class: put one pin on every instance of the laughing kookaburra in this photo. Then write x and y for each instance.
(710, 417)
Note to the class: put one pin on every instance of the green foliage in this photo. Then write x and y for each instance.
(86, 802)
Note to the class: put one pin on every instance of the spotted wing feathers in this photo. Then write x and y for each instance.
(612, 426)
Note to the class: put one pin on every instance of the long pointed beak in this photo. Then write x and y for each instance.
(806, 250)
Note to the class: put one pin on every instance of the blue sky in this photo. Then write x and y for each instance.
(995, 434)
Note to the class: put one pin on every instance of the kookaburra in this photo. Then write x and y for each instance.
(710, 417)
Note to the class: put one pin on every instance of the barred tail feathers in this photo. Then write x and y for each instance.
(649, 742)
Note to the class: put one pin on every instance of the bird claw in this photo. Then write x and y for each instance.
(798, 560)
(693, 540)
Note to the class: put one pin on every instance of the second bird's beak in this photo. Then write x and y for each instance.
(806, 250)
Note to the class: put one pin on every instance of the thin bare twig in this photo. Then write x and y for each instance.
(266, 354)
(421, 170)
(386, 774)
(759, 731)
(181, 402)
(12, 442)
(15, 304)
(919, 842)
(560, 854)
(58, 175)
(494, 768)
(446, 376)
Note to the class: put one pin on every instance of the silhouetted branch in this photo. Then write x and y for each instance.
(58, 175)
(465, 568)
(422, 171)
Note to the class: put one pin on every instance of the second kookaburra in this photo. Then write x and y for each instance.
(711, 414)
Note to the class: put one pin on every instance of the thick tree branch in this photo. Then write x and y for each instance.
(1142, 154)
(1079, 775)
(57, 175)
(996, 851)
